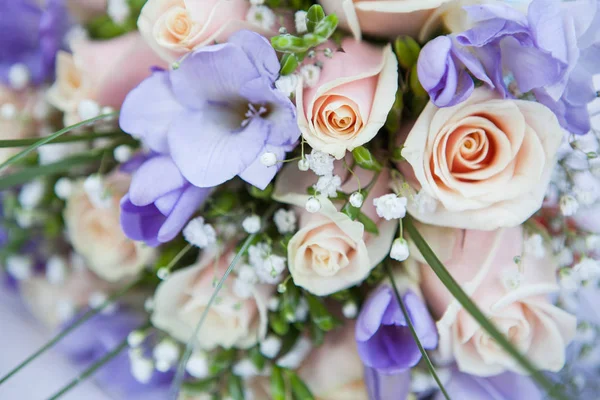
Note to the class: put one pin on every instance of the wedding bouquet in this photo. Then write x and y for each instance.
(292, 199)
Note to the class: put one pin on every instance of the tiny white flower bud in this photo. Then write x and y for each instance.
(270, 346)
(31, 194)
(310, 74)
(313, 205)
(63, 188)
(568, 205)
(261, 16)
(141, 369)
(136, 338)
(19, 267)
(19, 76)
(118, 11)
(303, 165)
(350, 310)
(293, 358)
(399, 251)
(56, 270)
(357, 199)
(149, 304)
(8, 111)
(197, 365)
(273, 303)
(251, 224)
(88, 109)
(199, 234)
(268, 159)
(300, 20)
(285, 221)
(122, 153)
(166, 352)
(390, 206)
(245, 368)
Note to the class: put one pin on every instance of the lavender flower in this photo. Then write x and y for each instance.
(383, 338)
(506, 386)
(217, 113)
(159, 203)
(29, 39)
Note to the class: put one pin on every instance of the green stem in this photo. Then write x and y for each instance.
(85, 317)
(414, 334)
(52, 137)
(64, 139)
(454, 288)
(91, 370)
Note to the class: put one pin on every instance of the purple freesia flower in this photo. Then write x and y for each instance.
(159, 203)
(217, 113)
(383, 337)
(506, 386)
(30, 37)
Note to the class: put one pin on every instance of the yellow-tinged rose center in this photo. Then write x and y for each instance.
(337, 117)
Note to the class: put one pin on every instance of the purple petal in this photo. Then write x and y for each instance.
(472, 63)
(486, 12)
(155, 178)
(382, 386)
(212, 74)
(372, 313)
(188, 203)
(546, 24)
(149, 110)
(433, 60)
(258, 174)
(141, 223)
(210, 147)
(422, 320)
(260, 52)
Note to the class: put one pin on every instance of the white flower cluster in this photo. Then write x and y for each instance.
(390, 206)
(328, 185)
(97, 192)
(268, 266)
(320, 163)
(200, 234)
(261, 16)
(285, 221)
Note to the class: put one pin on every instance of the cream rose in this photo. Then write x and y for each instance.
(334, 370)
(330, 251)
(383, 18)
(482, 164)
(232, 322)
(103, 72)
(95, 231)
(176, 27)
(513, 296)
(17, 119)
(350, 102)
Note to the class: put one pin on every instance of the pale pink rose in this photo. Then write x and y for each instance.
(84, 10)
(334, 370)
(17, 118)
(482, 164)
(383, 18)
(176, 27)
(350, 102)
(95, 231)
(54, 304)
(100, 71)
(233, 321)
(330, 251)
(514, 297)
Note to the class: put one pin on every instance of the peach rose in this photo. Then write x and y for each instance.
(482, 164)
(513, 296)
(16, 119)
(350, 102)
(334, 370)
(95, 231)
(176, 27)
(54, 304)
(330, 251)
(101, 71)
(231, 322)
(383, 18)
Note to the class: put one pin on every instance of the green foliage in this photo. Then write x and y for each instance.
(319, 313)
(320, 29)
(407, 50)
(277, 384)
(300, 390)
(364, 159)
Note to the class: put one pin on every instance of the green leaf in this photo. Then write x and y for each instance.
(222, 204)
(300, 390)
(415, 336)
(314, 15)
(365, 159)
(278, 323)
(458, 293)
(312, 40)
(415, 84)
(288, 341)
(222, 360)
(28, 174)
(235, 387)
(261, 194)
(351, 211)
(52, 137)
(289, 63)
(317, 335)
(368, 223)
(397, 154)
(394, 117)
(257, 358)
(290, 300)
(326, 27)
(288, 44)
(407, 50)
(202, 386)
(63, 139)
(277, 384)
(319, 313)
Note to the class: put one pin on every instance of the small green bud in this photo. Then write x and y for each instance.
(261, 194)
(288, 44)
(289, 63)
(314, 15)
(407, 50)
(365, 159)
(415, 85)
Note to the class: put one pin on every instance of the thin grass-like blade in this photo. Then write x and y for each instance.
(459, 294)
(64, 139)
